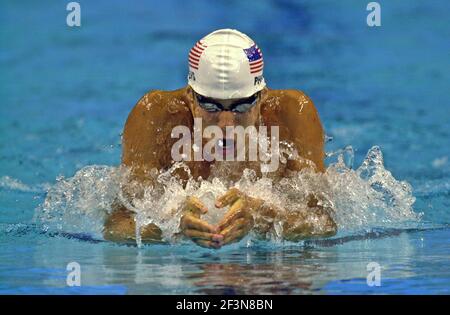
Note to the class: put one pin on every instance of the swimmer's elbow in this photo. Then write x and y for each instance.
(312, 225)
(330, 229)
(120, 227)
(305, 235)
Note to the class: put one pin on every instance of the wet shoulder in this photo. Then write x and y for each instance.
(289, 106)
(298, 121)
(288, 100)
(146, 140)
(160, 107)
(157, 102)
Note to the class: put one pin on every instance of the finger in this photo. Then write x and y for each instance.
(198, 235)
(194, 205)
(235, 236)
(228, 198)
(207, 244)
(191, 222)
(235, 212)
(238, 224)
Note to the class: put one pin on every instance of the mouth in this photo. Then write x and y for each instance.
(225, 146)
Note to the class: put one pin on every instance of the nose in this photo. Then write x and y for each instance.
(226, 118)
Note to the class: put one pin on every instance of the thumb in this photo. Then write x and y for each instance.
(195, 205)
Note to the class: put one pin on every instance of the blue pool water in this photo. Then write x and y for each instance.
(65, 94)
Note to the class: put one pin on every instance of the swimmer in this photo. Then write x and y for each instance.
(225, 87)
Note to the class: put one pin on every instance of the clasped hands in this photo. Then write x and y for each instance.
(235, 224)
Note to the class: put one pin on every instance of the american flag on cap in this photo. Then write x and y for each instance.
(195, 53)
(255, 59)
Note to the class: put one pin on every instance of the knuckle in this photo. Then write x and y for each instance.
(183, 222)
(191, 199)
(241, 221)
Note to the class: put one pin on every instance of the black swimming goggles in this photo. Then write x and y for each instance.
(240, 106)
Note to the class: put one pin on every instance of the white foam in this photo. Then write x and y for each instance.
(363, 198)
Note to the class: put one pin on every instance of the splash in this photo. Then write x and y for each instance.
(369, 196)
(362, 198)
(79, 204)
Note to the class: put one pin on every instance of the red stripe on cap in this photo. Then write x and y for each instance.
(194, 58)
(193, 53)
(256, 61)
(256, 69)
(196, 50)
(256, 64)
(193, 62)
(200, 47)
(200, 43)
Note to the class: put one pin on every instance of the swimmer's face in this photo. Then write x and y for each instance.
(226, 112)
(230, 112)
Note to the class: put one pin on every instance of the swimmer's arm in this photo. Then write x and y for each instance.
(306, 132)
(247, 213)
(311, 221)
(307, 222)
(140, 155)
(120, 227)
(301, 118)
(146, 140)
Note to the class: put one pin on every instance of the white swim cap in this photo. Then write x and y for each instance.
(226, 64)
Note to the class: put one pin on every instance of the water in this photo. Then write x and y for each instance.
(67, 92)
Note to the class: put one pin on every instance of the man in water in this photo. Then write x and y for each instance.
(225, 88)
